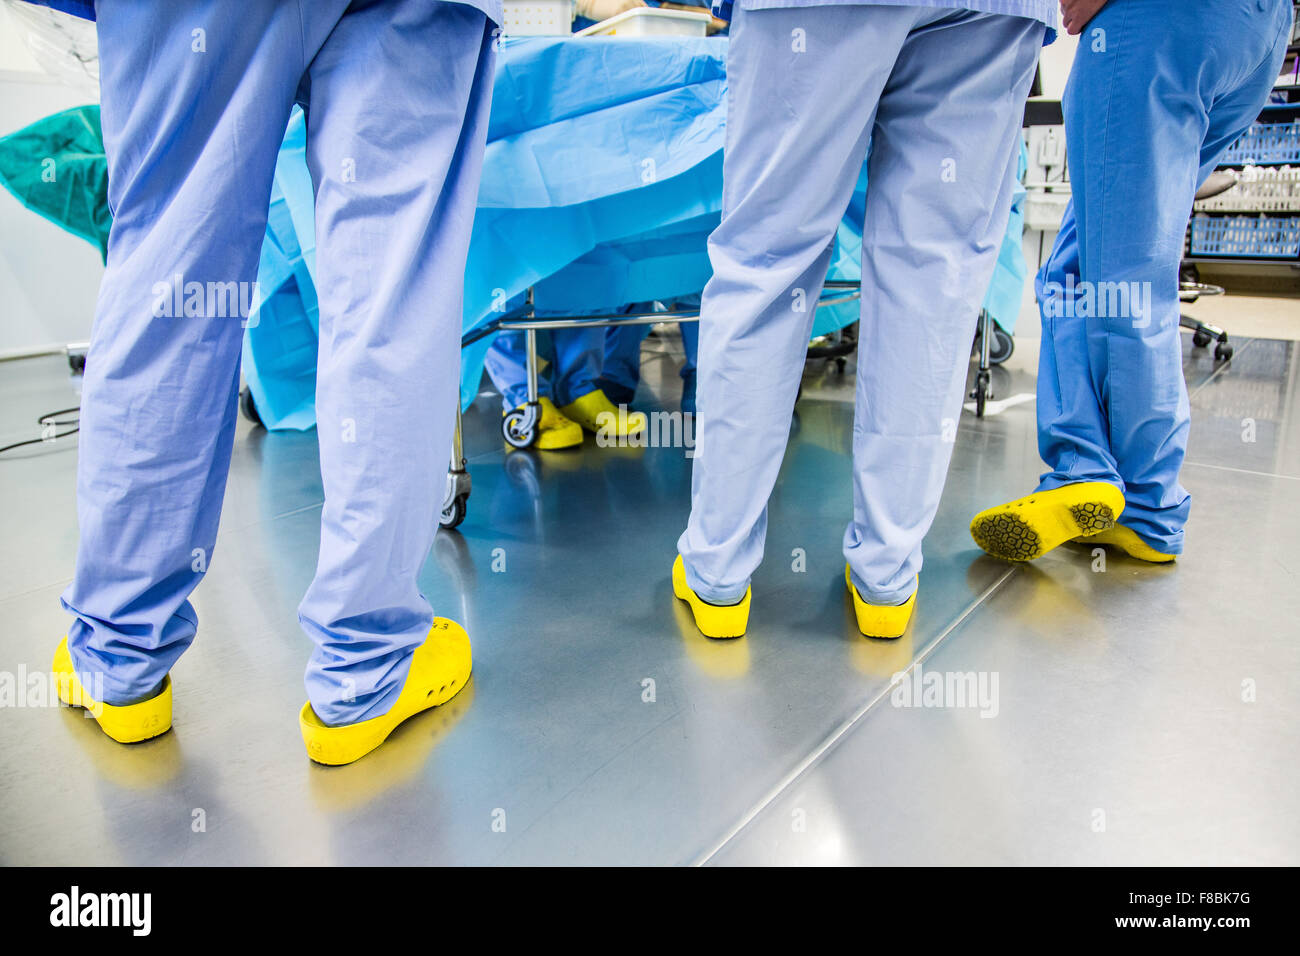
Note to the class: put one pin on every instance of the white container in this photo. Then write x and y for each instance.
(538, 18)
(1044, 211)
(651, 22)
(1258, 189)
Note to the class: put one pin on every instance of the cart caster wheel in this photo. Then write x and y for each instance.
(841, 364)
(519, 426)
(1222, 352)
(77, 362)
(1001, 347)
(981, 394)
(1200, 339)
(454, 513)
(247, 408)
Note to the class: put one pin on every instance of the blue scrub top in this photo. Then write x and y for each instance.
(1044, 10)
(78, 8)
(86, 8)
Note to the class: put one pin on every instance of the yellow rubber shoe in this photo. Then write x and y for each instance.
(1029, 527)
(713, 620)
(553, 429)
(127, 723)
(1130, 542)
(439, 671)
(588, 410)
(880, 620)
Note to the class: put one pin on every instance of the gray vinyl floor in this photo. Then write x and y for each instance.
(1126, 713)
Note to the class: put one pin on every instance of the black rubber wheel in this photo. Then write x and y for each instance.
(1001, 347)
(1222, 352)
(77, 362)
(512, 429)
(1201, 338)
(454, 514)
(981, 393)
(247, 407)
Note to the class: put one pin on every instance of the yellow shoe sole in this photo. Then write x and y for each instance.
(887, 621)
(1029, 527)
(127, 723)
(440, 669)
(1131, 543)
(713, 620)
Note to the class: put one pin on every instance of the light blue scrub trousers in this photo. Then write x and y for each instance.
(196, 96)
(1158, 91)
(943, 91)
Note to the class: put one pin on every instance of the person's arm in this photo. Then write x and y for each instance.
(604, 9)
(1075, 14)
(704, 6)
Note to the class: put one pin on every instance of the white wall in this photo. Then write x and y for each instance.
(48, 278)
(1055, 64)
(13, 54)
(1055, 69)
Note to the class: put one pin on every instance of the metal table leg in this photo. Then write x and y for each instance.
(455, 501)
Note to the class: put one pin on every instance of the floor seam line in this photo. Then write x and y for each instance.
(1242, 471)
(1223, 367)
(60, 583)
(827, 744)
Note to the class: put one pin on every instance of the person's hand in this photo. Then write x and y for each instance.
(604, 9)
(1075, 14)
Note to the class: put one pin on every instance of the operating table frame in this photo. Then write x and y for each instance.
(519, 425)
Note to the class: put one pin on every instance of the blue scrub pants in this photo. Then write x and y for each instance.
(941, 94)
(579, 359)
(1159, 90)
(196, 96)
(623, 351)
(575, 357)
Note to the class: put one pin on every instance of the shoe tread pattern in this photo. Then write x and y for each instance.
(1092, 517)
(1008, 536)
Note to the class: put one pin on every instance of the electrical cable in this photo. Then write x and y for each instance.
(48, 419)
